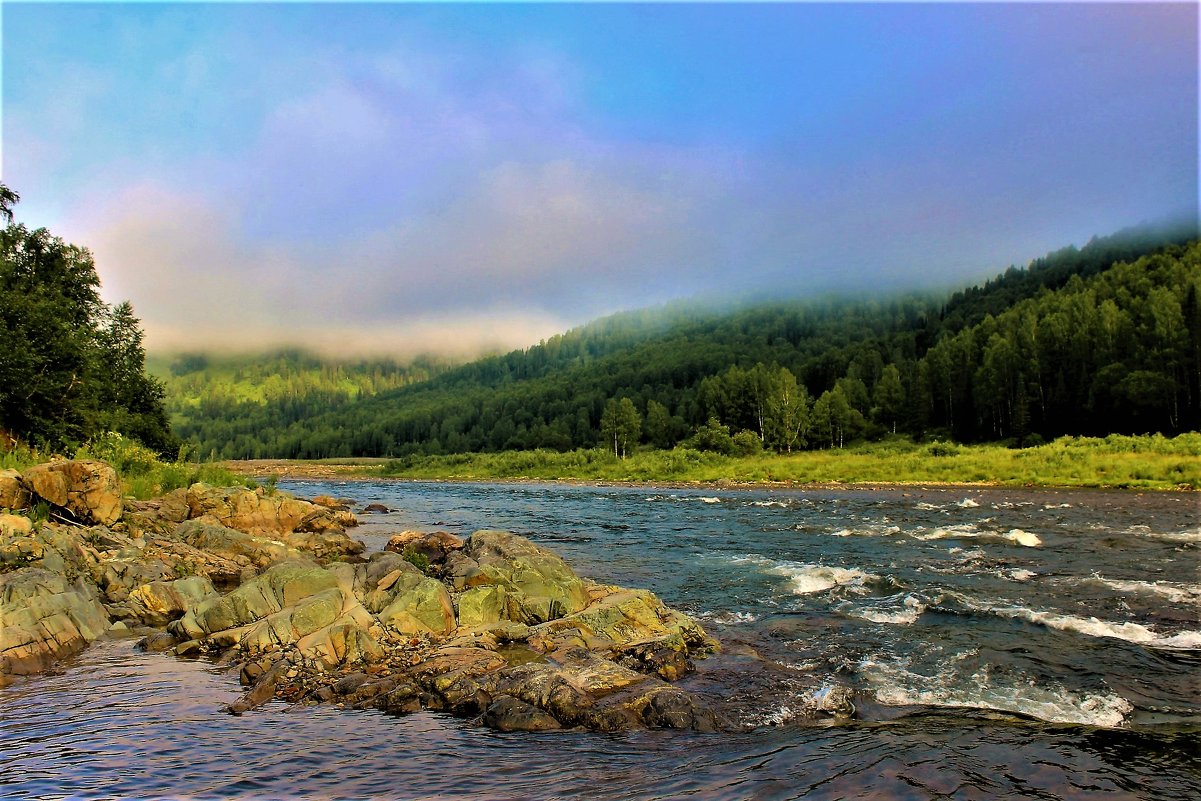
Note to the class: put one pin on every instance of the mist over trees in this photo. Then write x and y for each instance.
(71, 367)
(1097, 340)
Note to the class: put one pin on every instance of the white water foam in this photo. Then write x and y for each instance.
(967, 531)
(767, 504)
(810, 579)
(1188, 535)
(867, 531)
(928, 507)
(728, 618)
(968, 503)
(1095, 627)
(888, 611)
(704, 499)
(1174, 592)
(1019, 574)
(898, 687)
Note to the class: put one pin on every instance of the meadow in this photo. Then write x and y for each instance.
(1136, 462)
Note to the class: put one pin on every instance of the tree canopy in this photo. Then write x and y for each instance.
(71, 367)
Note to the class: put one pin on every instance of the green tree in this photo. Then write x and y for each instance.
(621, 426)
(657, 426)
(890, 397)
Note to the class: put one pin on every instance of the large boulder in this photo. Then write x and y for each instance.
(230, 543)
(159, 602)
(13, 494)
(538, 584)
(87, 489)
(405, 599)
(43, 617)
(262, 513)
(281, 586)
(434, 545)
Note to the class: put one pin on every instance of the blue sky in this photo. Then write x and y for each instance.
(401, 177)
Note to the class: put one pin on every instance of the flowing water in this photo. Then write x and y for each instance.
(994, 643)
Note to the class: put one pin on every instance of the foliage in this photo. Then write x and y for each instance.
(1145, 462)
(70, 366)
(621, 426)
(144, 475)
(1090, 341)
(416, 558)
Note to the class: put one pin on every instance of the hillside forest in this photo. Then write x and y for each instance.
(1090, 341)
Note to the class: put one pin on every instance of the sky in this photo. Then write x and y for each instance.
(398, 178)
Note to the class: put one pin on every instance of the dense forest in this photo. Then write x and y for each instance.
(71, 366)
(1101, 339)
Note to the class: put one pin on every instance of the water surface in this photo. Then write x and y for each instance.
(996, 644)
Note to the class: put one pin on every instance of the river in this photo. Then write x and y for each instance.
(995, 644)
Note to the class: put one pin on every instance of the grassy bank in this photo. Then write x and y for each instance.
(143, 474)
(1143, 462)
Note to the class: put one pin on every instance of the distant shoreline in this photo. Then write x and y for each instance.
(359, 469)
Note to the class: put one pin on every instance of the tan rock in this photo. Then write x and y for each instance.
(13, 494)
(44, 617)
(87, 489)
(15, 525)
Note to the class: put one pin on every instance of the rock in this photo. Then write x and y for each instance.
(407, 600)
(154, 643)
(13, 494)
(672, 708)
(540, 585)
(87, 489)
(481, 606)
(434, 545)
(281, 586)
(159, 602)
(509, 714)
(229, 543)
(15, 525)
(44, 617)
(376, 509)
(256, 512)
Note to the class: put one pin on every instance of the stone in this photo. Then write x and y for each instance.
(434, 545)
(15, 525)
(159, 602)
(405, 599)
(510, 714)
(44, 617)
(230, 543)
(257, 512)
(540, 585)
(87, 489)
(482, 606)
(13, 494)
(376, 509)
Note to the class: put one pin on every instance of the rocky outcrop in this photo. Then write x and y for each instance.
(261, 513)
(88, 489)
(43, 617)
(493, 627)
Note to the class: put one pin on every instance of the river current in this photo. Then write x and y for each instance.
(995, 644)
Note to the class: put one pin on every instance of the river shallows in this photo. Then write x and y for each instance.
(998, 644)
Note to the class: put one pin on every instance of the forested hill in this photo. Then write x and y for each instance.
(1101, 339)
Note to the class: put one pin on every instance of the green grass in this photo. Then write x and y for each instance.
(143, 475)
(1142, 462)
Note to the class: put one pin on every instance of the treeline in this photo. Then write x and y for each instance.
(71, 366)
(1072, 344)
(246, 404)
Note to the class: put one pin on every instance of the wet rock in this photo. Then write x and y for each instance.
(375, 509)
(159, 602)
(672, 708)
(157, 642)
(44, 617)
(87, 489)
(510, 714)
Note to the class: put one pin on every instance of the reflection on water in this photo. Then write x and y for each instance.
(981, 666)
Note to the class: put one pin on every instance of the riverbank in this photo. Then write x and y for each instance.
(1123, 462)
